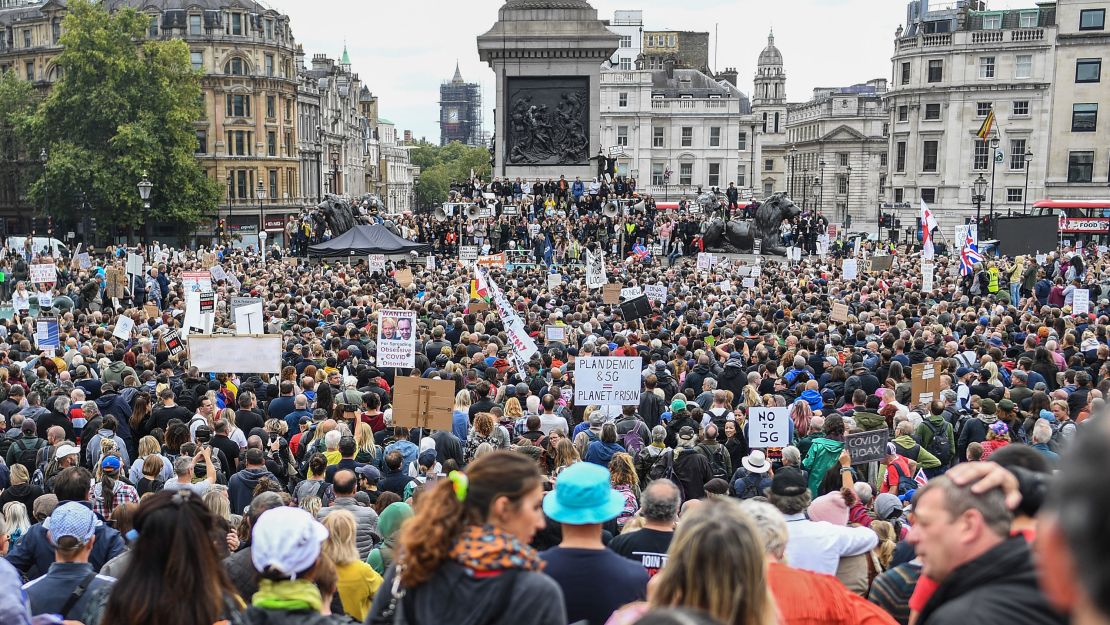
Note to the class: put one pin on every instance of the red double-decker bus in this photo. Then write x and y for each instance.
(1080, 220)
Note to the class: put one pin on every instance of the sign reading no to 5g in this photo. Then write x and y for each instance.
(607, 381)
(768, 427)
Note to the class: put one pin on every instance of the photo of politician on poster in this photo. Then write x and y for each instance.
(397, 339)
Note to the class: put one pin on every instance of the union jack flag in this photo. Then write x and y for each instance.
(969, 254)
(920, 478)
(640, 251)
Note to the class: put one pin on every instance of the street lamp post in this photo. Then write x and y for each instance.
(805, 188)
(145, 187)
(817, 191)
(335, 173)
(46, 192)
(821, 187)
(793, 156)
(1025, 193)
(261, 192)
(848, 195)
(980, 190)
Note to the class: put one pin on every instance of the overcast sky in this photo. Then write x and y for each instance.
(404, 49)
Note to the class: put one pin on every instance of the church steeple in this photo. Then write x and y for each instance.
(458, 79)
(345, 59)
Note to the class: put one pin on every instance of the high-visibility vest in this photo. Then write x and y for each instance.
(992, 285)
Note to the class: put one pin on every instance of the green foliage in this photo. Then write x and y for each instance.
(439, 166)
(17, 102)
(123, 107)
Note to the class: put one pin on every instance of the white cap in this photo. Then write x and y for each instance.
(286, 540)
(66, 450)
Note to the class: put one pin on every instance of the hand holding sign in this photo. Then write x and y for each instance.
(768, 427)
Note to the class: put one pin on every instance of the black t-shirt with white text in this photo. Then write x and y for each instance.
(646, 546)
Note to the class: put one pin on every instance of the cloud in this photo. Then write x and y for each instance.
(403, 50)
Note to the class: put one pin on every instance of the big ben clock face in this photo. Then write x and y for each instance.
(453, 116)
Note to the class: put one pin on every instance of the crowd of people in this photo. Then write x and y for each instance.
(139, 489)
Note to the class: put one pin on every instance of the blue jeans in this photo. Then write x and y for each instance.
(1015, 292)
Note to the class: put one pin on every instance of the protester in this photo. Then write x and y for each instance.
(648, 545)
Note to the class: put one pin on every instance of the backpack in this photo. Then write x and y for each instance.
(633, 442)
(750, 489)
(1057, 442)
(591, 435)
(905, 482)
(662, 467)
(716, 459)
(939, 446)
(26, 454)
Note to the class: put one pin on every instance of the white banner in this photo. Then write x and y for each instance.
(851, 268)
(927, 271)
(595, 270)
(631, 292)
(518, 337)
(1081, 302)
(607, 381)
(397, 339)
(656, 293)
(768, 427)
(468, 253)
(705, 261)
(42, 274)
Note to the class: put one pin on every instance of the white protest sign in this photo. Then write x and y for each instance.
(134, 264)
(656, 293)
(218, 273)
(376, 262)
(757, 247)
(768, 427)
(595, 270)
(705, 261)
(927, 271)
(397, 339)
(124, 326)
(607, 381)
(248, 319)
(84, 261)
(748, 283)
(518, 337)
(430, 263)
(46, 299)
(1042, 258)
(44, 273)
(555, 333)
(756, 271)
(468, 253)
(851, 268)
(725, 286)
(1081, 302)
(631, 292)
(554, 280)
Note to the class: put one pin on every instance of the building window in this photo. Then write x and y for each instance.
(271, 143)
(842, 184)
(197, 60)
(764, 122)
(657, 137)
(687, 136)
(1023, 66)
(899, 195)
(273, 184)
(56, 30)
(900, 157)
(1014, 195)
(769, 164)
(842, 159)
(625, 63)
(289, 143)
(741, 176)
(238, 105)
(777, 127)
(622, 135)
(982, 109)
(986, 67)
(153, 29)
(1092, 19)
(268, 27)
(271, 107)
(886, 129)
(238, 143)
(1088, 70)
(936, 70)
(903, 113)
(992, 21)
(768, 188)
(235, 67)
(202, 142)
(1084, 117)
(622, 99)
(1021, 107)
(882, 185)
(269, 64)
(714, 174)
(686, 173)
(928, 195)
(906, 73)
(742, 141)
(194, 24)
(289, 109)
(30, 67)
(626, 41)
(1027, 19)
(26, 37)
(658, 177)
(929, 151)
(981, 156)
(1017, 154)
(932, 111)
(1081, 166)
(235, 24)
(882, 159)
(715, 137)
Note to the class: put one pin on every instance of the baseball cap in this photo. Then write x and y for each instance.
(64, 451)
(110, 462)
(370, 472)
(286, 540)
(74, 520)
(678, 404)
(789, 482)
(686, 433)
(962, 371)
(427, 458)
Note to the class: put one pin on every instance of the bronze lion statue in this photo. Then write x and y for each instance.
(739, 236)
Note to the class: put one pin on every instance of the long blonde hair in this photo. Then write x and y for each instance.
(885, 549)
(364, 438)
(717, 536)
(340, 546)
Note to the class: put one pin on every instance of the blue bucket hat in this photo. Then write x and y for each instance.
(582, 496)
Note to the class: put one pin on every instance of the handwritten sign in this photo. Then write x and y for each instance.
(839, 312)
(656, 293)
(768, 427)
(611, 294)
(867, 447)
(924, 383)
(555, 334)
(44, 273)
(376, 262)
(631, 292)
(1081, 302)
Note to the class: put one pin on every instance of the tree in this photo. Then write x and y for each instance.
(440, 166)
(17, 102)
(124, 107)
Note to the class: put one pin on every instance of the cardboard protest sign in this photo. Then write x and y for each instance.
(467, 253)
(867, 447)
(611, 294)
(403, 277)
(839, 312)
(397, 338)
(43, 274)
(881, 263)
(924, 383)
(151, 310)
(1081, 302)
(117, 282)
(423, 403)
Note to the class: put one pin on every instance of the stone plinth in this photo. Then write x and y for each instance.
(547, 56)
